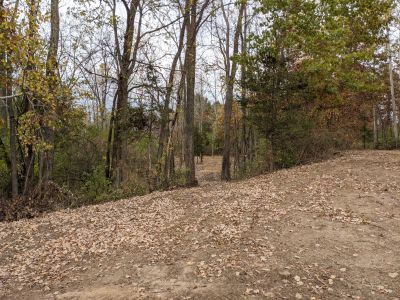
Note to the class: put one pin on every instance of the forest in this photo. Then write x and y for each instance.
(199, 149)
(108, 99)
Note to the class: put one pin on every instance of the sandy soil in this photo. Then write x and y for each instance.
(330, 230)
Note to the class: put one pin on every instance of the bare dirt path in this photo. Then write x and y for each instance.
(330, 230)
(208, 171)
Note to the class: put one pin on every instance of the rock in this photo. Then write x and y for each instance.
(269, 295)
(284, 273)
(251, 291)
(298, 296)
(393, 275)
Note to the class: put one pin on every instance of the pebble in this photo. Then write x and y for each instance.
(284, 273)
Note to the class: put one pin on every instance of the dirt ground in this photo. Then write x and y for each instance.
(209, 170)
(330, 230)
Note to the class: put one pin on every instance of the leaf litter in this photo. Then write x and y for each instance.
(328, 230)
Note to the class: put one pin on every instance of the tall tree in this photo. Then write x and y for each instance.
(30, 95)
(164, 122)
(190, 70)
(7, 23)
(126, 59)
(230, 76)
(194, 22)
(394, 116)
(46, 158)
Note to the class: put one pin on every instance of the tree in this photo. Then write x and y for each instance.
(165, 122)
(46, 158)
(7, 23)
(394, 116)
(194, 21)
(313, 70)
(126, 58)
(230, 77)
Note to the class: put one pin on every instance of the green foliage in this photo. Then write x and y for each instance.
(95, 187)
(312, 71)
(306, 70)
(201, 141)
(4, 180)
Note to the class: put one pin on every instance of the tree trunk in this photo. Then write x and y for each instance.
(169, 167)
(190, 66)
(126, 61)
(164, 126)
(226, 165)
(3, 69)
(47, 157)
(110, 139)
(119, 148)
(393, 98)
(375, 126)
(29, 166)
(244, 141)
(6, 90)
(230, 78)
(13, 151)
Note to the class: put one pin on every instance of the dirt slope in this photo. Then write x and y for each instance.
(325, 231)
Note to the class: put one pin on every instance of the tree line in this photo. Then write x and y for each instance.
(112, 98)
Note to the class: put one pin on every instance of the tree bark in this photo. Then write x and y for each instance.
(393, 99)
(164, 126)
(119, 148)
(190, 66)
(169, 167)
(13, 151)
(47, 157)
(126, 61)
(6, 90)
(230, 74)
(110, 139)
(375, 126)
(29, 164)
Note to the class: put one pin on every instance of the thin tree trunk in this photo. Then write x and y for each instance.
(375, 126)
(393, 98)
(169, 167)
(3, 70)
(13, 151)
(6, 90)
(110, 139)
(164, 126)
(47, 157)
(244, 141)
(150, 133)
(226, 165)
(230, 77)
(271, 158)
(28, 102)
